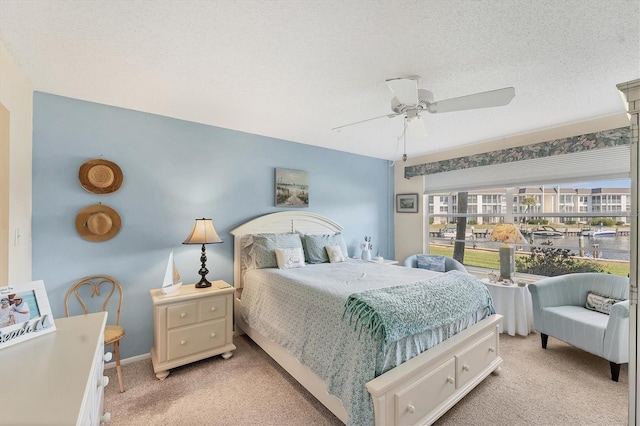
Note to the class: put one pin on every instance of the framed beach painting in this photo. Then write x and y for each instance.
(292, 188)
(407, 203)
(25, 313)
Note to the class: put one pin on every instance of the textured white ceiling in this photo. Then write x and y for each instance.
(295, 69)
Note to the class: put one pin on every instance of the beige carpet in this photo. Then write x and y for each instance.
(558, 386)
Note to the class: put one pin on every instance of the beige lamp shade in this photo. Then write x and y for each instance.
(507, 233)
(203, 233)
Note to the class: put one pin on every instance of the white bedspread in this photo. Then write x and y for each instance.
(301, 309)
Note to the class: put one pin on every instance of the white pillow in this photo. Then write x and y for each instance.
(335, 254)
(288, 258)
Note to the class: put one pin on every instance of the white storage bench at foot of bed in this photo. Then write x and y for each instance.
(418, 391)
(423, 388)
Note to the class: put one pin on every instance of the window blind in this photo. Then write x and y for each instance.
(594, 165)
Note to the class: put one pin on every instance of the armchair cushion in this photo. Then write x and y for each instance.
(450, 264)
(432, 263)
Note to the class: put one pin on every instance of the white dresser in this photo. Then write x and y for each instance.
(191, 324)
(57, 378)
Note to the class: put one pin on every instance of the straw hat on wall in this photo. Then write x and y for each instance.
(98, 223)
(100, 176)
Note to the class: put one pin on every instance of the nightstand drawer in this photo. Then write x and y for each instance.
(213, 308)
(182, 314)
(196, 338)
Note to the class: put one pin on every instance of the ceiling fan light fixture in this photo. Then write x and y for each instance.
(416, 128)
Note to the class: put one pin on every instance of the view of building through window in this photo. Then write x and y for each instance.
(587, 221)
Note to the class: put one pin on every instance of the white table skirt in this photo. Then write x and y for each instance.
(514, 304)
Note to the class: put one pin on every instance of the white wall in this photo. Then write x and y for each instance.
(16, 95)
(410, 228)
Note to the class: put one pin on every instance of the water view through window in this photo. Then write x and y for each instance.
(590, 220)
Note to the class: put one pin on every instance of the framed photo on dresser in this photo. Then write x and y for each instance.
(25, 313)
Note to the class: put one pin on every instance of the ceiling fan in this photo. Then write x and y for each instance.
(410, 102)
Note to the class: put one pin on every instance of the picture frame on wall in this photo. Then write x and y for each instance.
(25, 313)
(292, 188)
(407, 203)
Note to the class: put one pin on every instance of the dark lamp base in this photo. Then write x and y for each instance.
(203, 283)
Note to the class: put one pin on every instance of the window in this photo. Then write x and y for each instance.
(572, 209)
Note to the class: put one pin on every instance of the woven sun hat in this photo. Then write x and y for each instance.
(100, 176)
(98, 223)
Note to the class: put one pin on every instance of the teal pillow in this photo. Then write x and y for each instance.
(314, 246)
(431, 262)
(264, 245)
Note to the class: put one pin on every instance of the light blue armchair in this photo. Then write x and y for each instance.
(559, 311)
(450, 263)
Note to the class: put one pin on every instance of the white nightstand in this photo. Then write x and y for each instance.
(191, 324)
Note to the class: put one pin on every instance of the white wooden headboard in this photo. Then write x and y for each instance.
(277, 223)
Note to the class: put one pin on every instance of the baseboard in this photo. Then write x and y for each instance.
(126, 361)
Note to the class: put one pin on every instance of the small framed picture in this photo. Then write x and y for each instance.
(292, 188)
(407, 203)
(25, 313)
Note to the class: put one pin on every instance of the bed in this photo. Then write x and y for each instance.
(410, 385)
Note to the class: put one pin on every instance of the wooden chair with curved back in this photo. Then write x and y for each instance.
(112, 332)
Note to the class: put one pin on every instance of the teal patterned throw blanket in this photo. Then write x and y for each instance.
(392, 313)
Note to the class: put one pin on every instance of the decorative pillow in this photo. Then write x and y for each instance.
(264, 245)
(599, 303)
(335, 254)
(314, 246)
(247, 255)
(431, 262)
(290, 257)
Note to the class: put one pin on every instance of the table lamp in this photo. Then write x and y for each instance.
(203, 233)
(507, 233)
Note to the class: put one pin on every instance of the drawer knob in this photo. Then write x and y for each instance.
(411, 408)
(213, 308)
(450, 380)
(107, 357)
(103, 381)
(492, 349)
(465, 367)
(105, 418)
(182, 315)
(183, 342)
(213, 334)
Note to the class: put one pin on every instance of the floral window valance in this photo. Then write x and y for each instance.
(590, 141)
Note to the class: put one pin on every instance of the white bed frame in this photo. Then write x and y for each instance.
(418, 391)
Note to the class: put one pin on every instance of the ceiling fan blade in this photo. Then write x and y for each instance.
(364, 121)
(405, 90)
(492, 98)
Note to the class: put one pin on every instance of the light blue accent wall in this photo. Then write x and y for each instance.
(174, 172)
